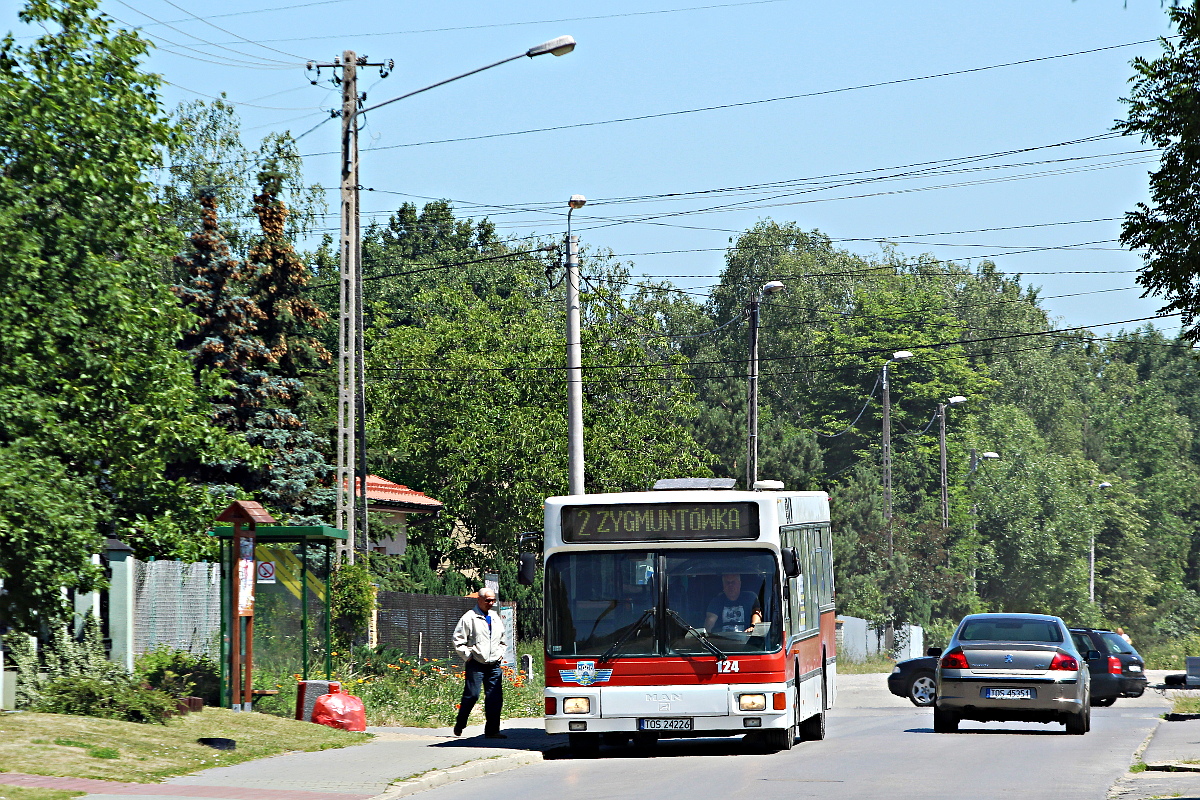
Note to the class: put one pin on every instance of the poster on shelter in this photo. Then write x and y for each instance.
(245, 573)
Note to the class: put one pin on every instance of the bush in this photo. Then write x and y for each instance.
(180, 673)
(353, 600)
(1173, 653)
(112, 698)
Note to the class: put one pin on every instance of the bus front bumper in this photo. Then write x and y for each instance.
(672, 710)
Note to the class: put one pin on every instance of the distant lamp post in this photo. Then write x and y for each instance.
(953, 401)
(574, 345)
(769, 288)
(899, 355)
(1092, 555)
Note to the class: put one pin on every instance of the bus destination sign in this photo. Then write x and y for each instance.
(659, 522)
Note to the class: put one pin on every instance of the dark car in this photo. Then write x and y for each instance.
(915, 678)
(1117, 669)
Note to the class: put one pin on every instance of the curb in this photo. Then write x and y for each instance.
(1173, 766)
(472, 769)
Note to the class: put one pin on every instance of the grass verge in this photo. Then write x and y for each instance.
(874, 663)
(22, 793)
(107, 749)
(1186, 705)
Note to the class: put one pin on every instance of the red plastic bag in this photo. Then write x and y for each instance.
(339, 710)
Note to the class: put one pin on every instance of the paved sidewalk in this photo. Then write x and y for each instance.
(350, 773)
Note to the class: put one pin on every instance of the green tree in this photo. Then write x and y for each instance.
(1164, 110)
(96, 399)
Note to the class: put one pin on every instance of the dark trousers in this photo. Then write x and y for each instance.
(489, 677)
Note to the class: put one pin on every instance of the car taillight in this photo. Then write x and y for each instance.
(551, 706)
(955, 659)
(1064, 662)
(1114, 665)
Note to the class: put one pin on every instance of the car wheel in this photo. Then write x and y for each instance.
(944, 721)
(1077, 724)
(1103, 702)
(1136, 692)
(922, 689)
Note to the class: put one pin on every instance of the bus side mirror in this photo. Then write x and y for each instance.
(791, 561)
(526, 568)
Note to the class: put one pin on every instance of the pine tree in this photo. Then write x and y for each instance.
(222, 340)
(296, 478)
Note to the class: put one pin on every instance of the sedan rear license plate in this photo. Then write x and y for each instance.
(1134, 668)
(1008, 694)
(678, 724)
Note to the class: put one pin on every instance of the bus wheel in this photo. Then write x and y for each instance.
(776, 740)
(813, 728)
(584, 745)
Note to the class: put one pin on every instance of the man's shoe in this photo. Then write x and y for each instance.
(495, 736)
(458, 730)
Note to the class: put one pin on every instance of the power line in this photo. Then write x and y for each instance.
(747, 103)
(262, 63)
(480, 27)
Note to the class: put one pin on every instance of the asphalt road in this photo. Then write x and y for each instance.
(877, 746)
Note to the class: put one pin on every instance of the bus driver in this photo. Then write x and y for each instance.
(733, 609)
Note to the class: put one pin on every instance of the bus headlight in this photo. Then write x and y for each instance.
(752, 702)
(577, 705)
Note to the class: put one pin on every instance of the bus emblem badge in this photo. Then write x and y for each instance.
(585, 674)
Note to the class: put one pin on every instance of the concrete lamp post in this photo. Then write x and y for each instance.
(958, 398)
(574, 356)
(899, 355)
(767, 289)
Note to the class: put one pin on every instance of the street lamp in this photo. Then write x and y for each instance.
(1092, 555)
(574, 357)
(769, 288)
(900, 355)
(351, 433)
(958, 398)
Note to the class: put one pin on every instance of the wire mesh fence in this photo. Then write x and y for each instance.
(177, 604)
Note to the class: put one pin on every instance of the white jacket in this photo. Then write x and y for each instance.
(472, 639)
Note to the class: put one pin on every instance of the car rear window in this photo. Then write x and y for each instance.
(1116, 643)
(1009, 630)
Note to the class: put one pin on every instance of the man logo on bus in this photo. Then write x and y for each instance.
(585, 674)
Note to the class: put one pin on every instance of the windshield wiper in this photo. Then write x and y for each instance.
(632, 629)
(701, 636)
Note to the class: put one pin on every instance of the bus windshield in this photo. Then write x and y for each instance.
(662, 603)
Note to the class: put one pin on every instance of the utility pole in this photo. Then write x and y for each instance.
(752, 308)
(752, 398)
(899, 355)
(575, 471)
(887, 458)
(942, 450)
(351, 409)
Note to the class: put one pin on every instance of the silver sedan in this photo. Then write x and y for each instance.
(1002, 667)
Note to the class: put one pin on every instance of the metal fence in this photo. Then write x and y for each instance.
(421, 625)
(177, 604)
(530, 623)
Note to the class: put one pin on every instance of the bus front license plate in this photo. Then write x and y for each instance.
(682, 724)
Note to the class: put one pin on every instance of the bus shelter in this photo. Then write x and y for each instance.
(291, 632)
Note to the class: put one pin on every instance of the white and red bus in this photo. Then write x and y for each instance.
(689, 611)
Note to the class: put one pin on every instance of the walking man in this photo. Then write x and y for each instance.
(480, 639)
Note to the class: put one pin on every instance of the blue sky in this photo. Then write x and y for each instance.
(633, 61)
